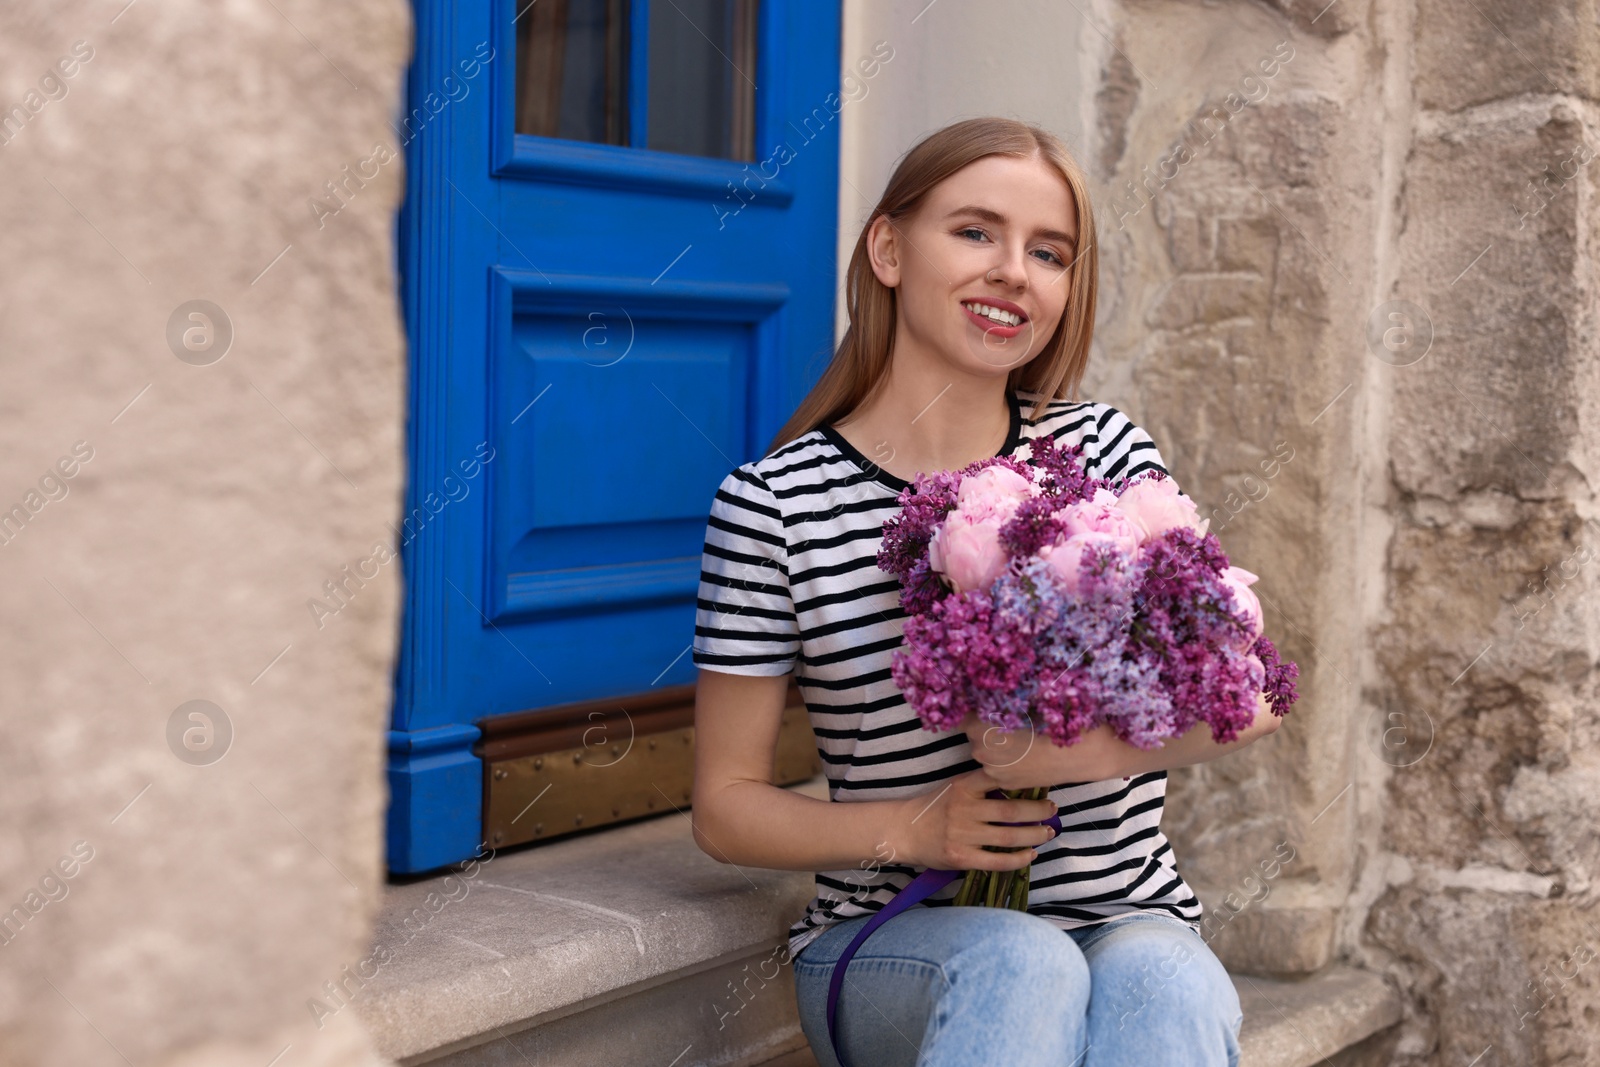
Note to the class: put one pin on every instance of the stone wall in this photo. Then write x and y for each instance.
(1374, 264)
(178, 888)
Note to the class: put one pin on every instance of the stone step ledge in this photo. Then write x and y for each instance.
(626, 945)
(630, 924)
(1341, 1015)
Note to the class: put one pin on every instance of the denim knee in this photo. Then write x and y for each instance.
(951, 986)
(1026, 954)
(1176, 976)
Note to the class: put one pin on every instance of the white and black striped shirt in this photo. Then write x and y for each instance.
(789, 582)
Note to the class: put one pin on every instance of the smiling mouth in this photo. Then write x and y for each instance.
(995, 315)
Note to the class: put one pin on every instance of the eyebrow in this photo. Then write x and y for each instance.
(990, 215)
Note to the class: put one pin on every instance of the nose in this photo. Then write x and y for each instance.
(1010, 271)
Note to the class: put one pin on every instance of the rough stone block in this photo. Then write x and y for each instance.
(1282, 942)
(1476, 51)
(1205, 300)
(1494, 402)
(1493, 969)
(1247, 244)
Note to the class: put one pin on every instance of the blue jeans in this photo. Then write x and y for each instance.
(950, 986)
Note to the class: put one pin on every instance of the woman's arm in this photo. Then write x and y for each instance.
(740, 817)
(1197, 746)
(1019, 760)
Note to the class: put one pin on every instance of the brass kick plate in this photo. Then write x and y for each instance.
(535, 797)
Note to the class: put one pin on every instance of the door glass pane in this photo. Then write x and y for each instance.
(571, 67)
(702, 77)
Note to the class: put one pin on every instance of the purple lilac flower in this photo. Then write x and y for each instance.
(1149, 645)
(1279, 686)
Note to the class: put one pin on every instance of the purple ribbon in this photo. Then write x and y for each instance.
(923, 886)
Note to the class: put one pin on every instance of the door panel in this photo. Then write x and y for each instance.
(604, 330)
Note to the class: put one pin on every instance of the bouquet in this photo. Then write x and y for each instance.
(1040, 598)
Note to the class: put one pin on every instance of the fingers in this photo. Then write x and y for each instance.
(1018, 810)
(972, 858)
(974, 826)
(976, 785)
(1008, 823)
(981, 832)
(981, 859)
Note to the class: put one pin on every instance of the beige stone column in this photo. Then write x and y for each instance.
(189, 475)
(1238, 213)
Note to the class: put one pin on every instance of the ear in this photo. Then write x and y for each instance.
(883, 251)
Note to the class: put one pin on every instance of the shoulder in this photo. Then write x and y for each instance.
(791, 463)
(1053, 415)
(1114, 446)
(767, 487)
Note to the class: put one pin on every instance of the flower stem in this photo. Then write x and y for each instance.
(1019, 889)
(1000, 889)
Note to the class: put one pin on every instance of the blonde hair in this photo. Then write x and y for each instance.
(861, 362)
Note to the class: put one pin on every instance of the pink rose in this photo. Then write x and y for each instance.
(1237, 581)
(1156, 506)
(1068, 557)
(993, 493)
(968, 553)
(966, 547)
(1102, 516)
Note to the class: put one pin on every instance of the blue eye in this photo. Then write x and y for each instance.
(975, 233)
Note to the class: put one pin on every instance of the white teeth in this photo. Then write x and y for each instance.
(995, 315)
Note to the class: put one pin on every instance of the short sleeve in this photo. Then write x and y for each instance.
(744, 617)
(1123, 450)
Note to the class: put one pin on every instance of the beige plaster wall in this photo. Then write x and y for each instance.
(951, 60)
(209, 500)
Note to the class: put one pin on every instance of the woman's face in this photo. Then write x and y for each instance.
(982, 269)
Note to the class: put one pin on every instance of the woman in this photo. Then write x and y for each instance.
(971, 297)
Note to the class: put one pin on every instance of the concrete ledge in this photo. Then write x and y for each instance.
(631, 946)
(1300, 1023)
(692, 1019)
(544, 932)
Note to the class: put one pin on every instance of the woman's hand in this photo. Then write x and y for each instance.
(947, 827)
(1021, 759)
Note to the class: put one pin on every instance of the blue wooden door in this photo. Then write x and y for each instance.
(617, 253)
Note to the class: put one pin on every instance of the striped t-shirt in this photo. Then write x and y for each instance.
(790, 582)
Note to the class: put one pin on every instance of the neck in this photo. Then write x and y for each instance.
(924, 422)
